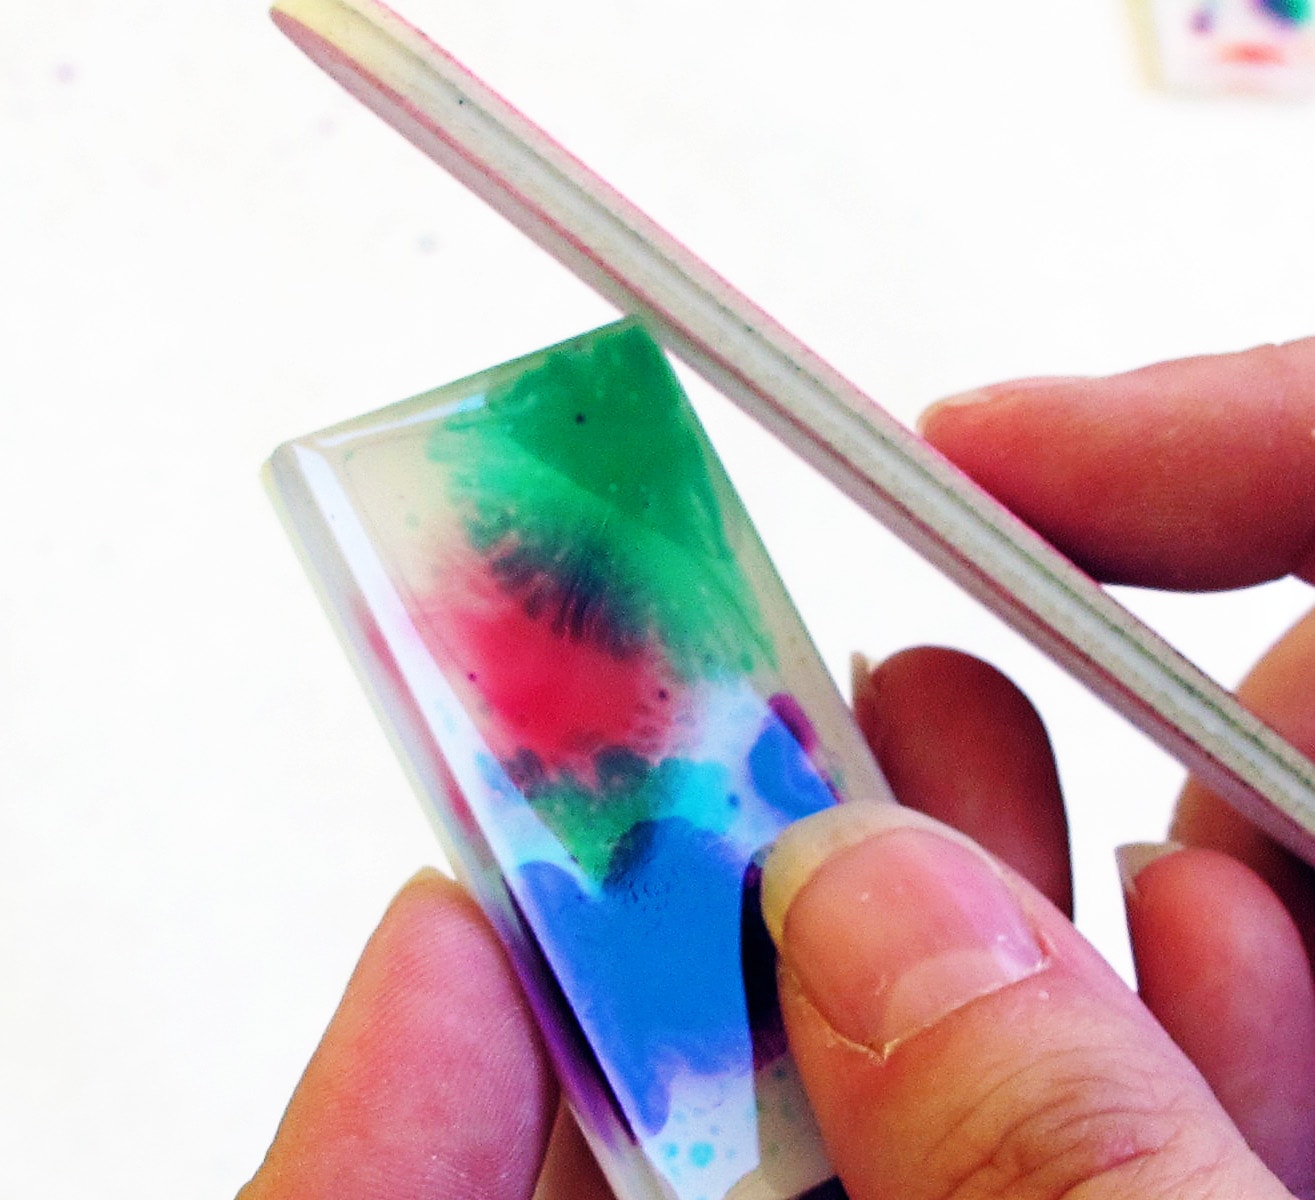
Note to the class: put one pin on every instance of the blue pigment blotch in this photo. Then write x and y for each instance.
(784, 775)
(651, 959)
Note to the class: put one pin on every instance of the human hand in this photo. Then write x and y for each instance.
(1012, 1062)
(977, 1047)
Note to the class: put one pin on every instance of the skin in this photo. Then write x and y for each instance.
(1196, 474)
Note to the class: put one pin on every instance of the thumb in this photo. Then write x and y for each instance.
(958, 1038)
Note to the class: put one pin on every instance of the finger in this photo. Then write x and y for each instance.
(1192, 474)
(958, 1038)
(1280, 691)
(430, 1080)
(1234, 991)
(958, 741)
(570, 1171)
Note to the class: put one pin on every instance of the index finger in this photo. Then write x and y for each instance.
(1196, 474)
(431, 1078)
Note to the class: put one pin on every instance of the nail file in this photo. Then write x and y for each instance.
(457, 120)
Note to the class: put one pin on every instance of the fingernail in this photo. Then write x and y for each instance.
(889, 922)
(1135, 857)
(995, 391)
(860, 678)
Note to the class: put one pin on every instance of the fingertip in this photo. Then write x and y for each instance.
(940, 417)
(931, 416)
(1220, 963)
(1194, 474)
(956, 1036)
(959, 741)
(1134, 857)
(430, 1078)
(428, 886)
(861, 684)
(830, 889)
(431, 906)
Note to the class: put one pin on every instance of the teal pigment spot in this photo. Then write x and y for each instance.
(1294, 11)
(701, 1154)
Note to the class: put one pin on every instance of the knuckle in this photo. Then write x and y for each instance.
(1056, 1131)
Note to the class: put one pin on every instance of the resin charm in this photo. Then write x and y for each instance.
(610, 708)
(1262, 47)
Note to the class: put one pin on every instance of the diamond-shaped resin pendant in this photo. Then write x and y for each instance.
(610, 708)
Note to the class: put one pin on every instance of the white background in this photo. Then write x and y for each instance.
(206, 248)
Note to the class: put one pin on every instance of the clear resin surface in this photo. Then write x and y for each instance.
(610, 707)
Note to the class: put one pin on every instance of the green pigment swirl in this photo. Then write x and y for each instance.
(587, 481)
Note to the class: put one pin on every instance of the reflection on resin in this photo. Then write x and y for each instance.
(609, 704)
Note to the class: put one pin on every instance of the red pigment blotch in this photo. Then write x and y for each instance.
(561, 698)
(1252, 54)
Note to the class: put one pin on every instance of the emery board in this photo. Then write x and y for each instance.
(458, 121)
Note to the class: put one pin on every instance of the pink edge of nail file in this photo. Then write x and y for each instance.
(512, 164)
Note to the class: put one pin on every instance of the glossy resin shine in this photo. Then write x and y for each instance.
(610, 707)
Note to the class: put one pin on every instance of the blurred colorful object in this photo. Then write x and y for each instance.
(1259, 47)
